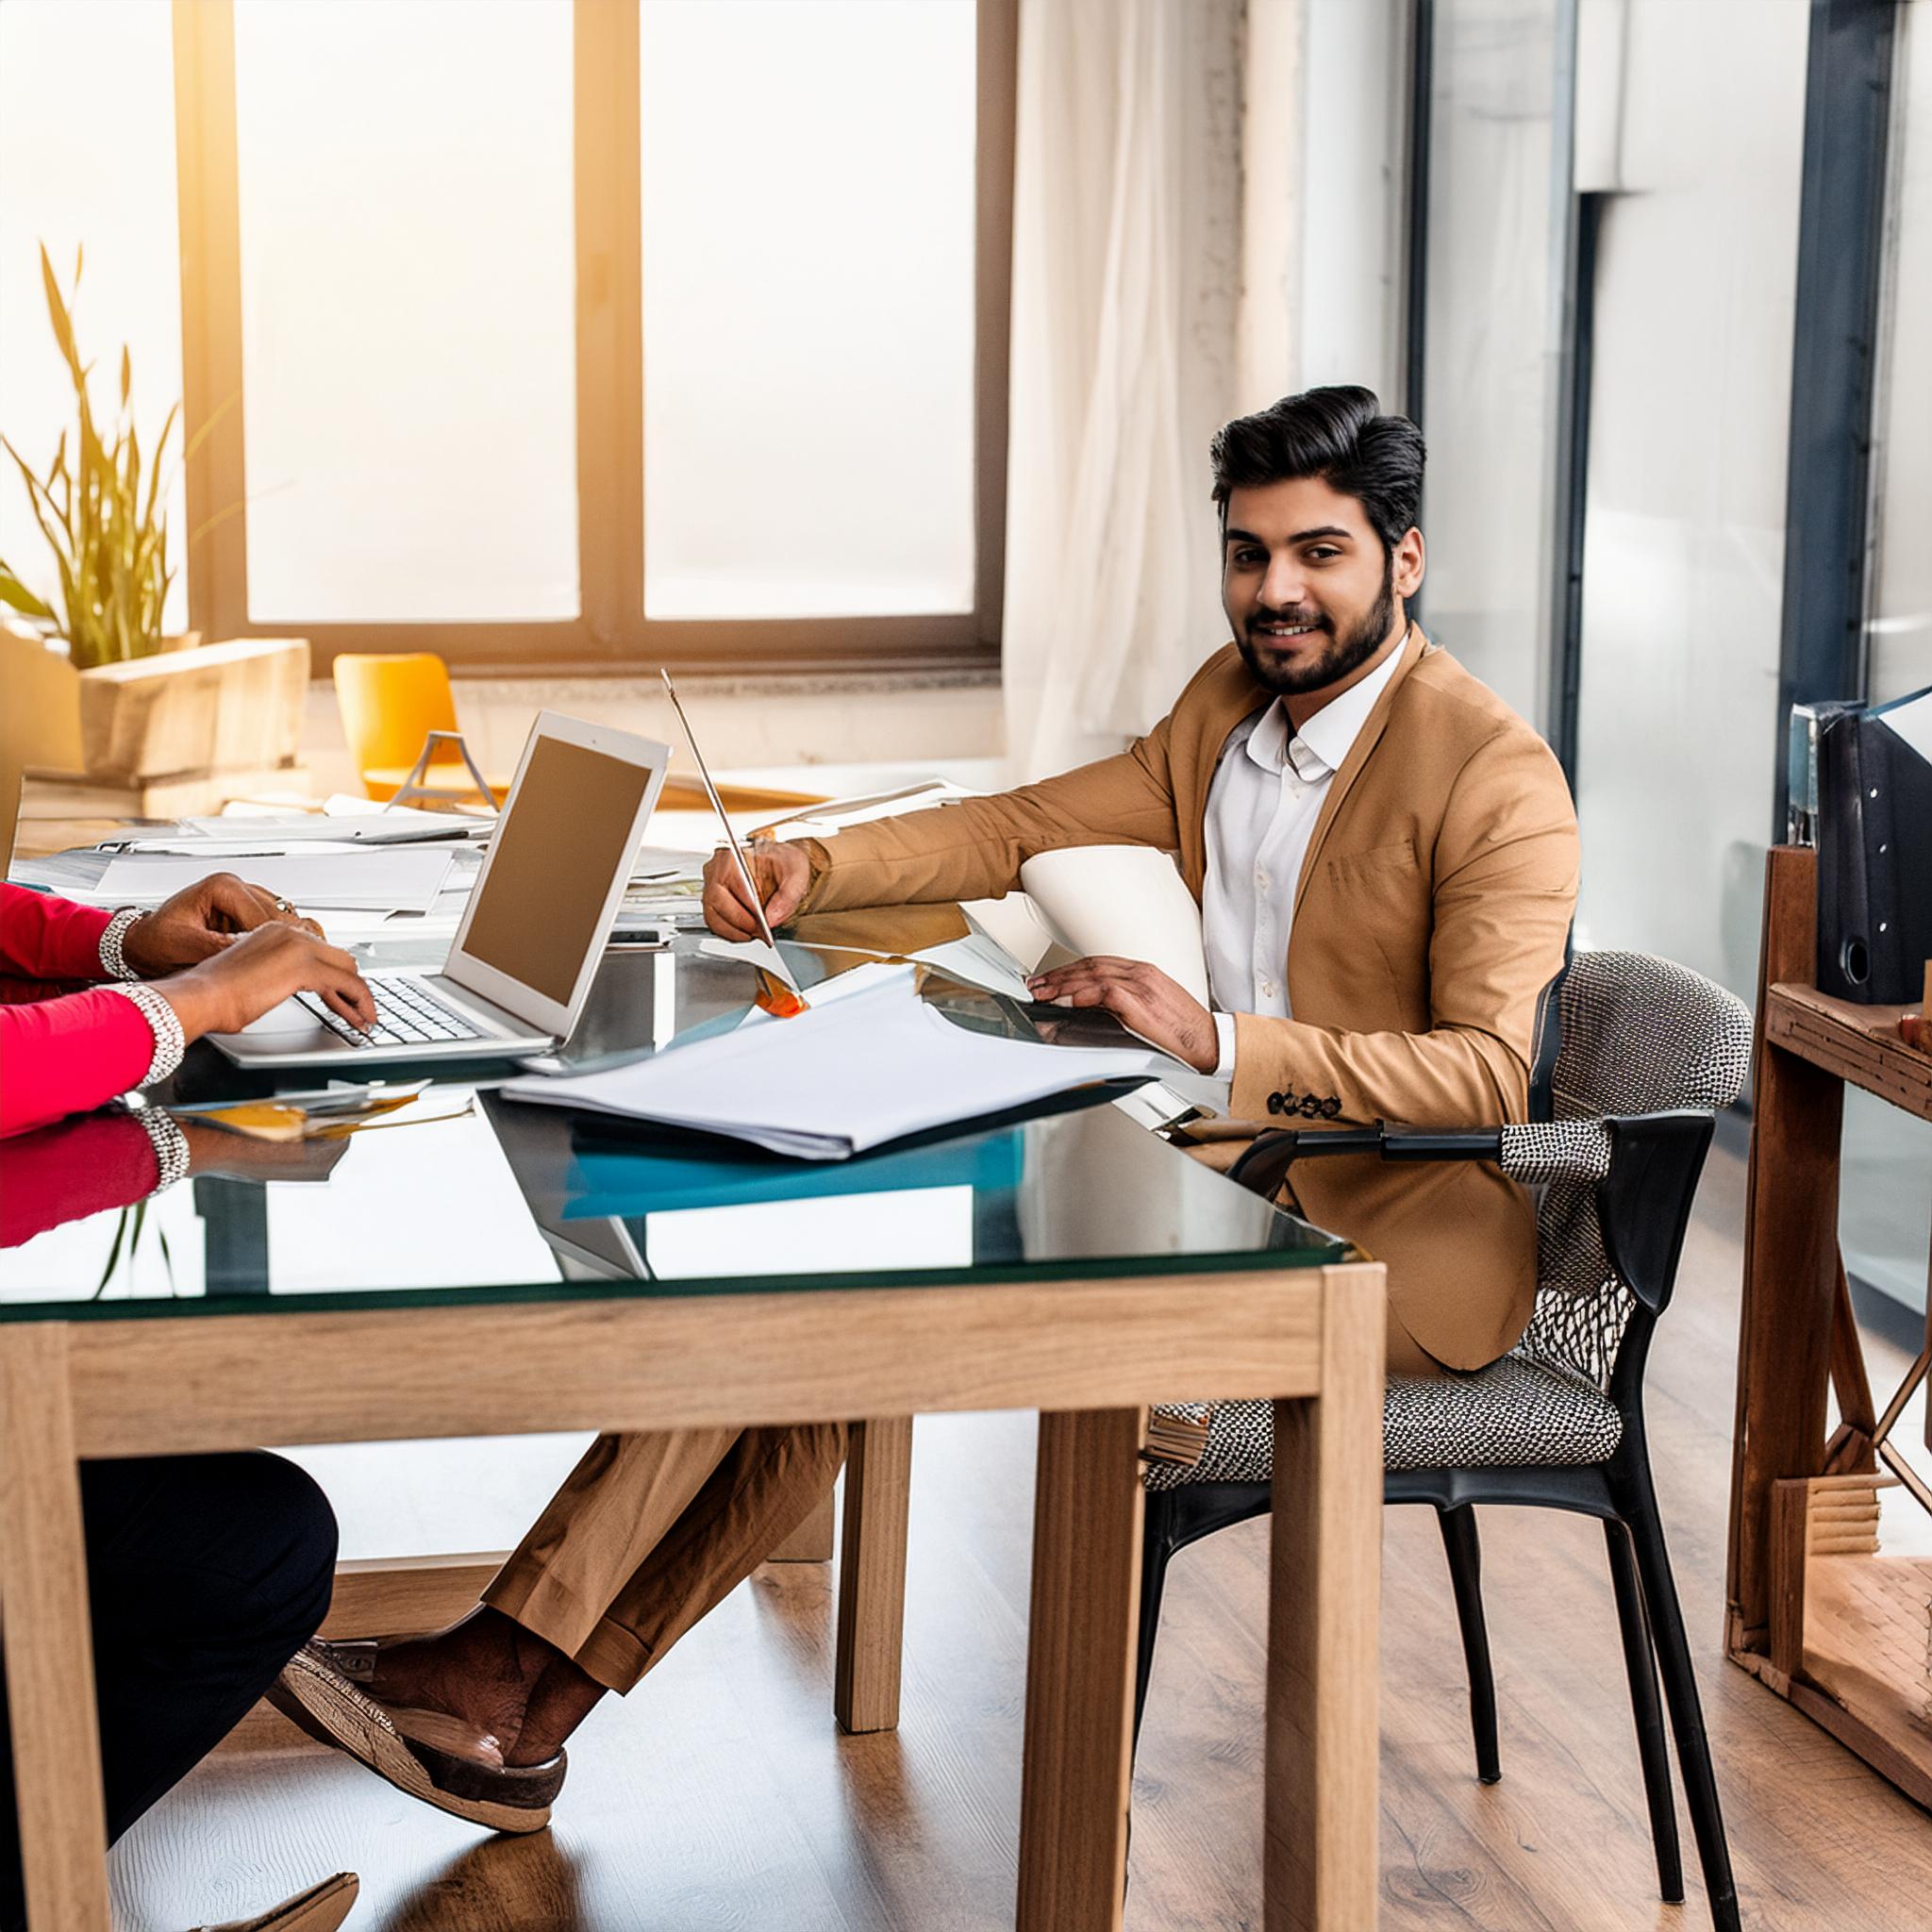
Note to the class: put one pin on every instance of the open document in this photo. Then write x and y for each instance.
(1127, 901)
(873, 1065)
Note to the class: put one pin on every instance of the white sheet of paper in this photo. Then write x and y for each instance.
(979, 962)
(366, 827)
(850, 1073)
(1128, 901)
(752, 952)
(385, 877)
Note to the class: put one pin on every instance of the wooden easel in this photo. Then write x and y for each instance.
(1818, 1612)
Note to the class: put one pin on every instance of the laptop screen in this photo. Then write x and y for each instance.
(551, 861)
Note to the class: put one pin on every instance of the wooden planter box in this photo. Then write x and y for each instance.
(184, 731)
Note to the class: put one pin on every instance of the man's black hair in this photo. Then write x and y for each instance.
(1338, 435)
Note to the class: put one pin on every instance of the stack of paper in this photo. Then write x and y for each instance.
(870, 1065)
(382, 878)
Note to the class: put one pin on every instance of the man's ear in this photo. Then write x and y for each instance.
(1406, 577)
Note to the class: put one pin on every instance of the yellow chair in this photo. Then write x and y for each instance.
(396, 706)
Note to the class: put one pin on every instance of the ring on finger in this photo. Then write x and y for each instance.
(282, 904)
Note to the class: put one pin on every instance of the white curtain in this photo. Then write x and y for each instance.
(1127, 244)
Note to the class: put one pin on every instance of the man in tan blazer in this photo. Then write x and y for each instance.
(1418, 843)
(1385, 859)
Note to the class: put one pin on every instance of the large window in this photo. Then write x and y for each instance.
(67, 182)
(581, 334)
(407, 319)
(807, 381)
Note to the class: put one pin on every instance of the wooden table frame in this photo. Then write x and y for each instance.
(1816, 1612)
(1090, 1355)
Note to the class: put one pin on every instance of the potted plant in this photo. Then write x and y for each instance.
(164, 733)
(100, 513)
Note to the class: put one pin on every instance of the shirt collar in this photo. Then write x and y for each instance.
(1322, 745)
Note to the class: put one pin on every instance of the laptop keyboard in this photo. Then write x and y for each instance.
(407, 1014)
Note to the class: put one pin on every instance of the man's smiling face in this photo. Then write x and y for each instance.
(1308, 586)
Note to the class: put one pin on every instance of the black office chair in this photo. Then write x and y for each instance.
(1648, 1053)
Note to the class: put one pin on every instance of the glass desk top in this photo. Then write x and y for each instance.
(463, 1195)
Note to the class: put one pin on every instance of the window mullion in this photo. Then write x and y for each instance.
(609, 326)
(209, 202)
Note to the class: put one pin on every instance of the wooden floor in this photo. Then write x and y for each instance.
(719, 1795)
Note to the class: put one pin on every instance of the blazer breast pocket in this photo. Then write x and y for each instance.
(1386, 866)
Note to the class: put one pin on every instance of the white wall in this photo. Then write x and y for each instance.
(1885, 1214)
(1901, 624)
(1685, 516)
(938, 719)
(1493, 308)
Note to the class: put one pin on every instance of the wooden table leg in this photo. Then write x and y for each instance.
(50, 1677)
(1319, 1869)
(1076, 1776)
(872, 1574)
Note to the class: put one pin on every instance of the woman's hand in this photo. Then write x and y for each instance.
(1142, 998)
(258, 972)
(783, 873)
(202, 920)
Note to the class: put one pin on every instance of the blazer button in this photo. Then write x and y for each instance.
(1331, 1108)
(1274, 1103)
(1310, 1107)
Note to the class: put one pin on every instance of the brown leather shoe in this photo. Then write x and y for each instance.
(315, 1696)
(320, 1909)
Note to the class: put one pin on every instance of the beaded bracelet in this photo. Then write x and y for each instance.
(170, 1041)
(113, 960)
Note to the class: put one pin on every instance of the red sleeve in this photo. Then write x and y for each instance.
(65, 1056)
(79, 1168)
(45, 938)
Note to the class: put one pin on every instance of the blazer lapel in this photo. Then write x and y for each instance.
(1366, 740)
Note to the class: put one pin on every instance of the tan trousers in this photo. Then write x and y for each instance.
(650, 1531)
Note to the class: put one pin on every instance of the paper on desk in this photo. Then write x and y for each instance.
(403, 818)
(382, 878)
(367, 827)
(1125, 900)
(975, 960)
(753, 953)
(851, 1074)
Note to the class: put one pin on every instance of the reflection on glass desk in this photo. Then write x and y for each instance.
(464, 1195)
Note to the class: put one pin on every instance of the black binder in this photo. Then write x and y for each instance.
(1875, 856)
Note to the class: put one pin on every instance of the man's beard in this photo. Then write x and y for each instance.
(1346, 652)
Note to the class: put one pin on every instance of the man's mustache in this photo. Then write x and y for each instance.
(1291, 616)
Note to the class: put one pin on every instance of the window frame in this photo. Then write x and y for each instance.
(610, 635)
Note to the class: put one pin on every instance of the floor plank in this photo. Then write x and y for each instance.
(719, 1796)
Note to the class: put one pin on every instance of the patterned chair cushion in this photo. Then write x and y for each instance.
(1513, 1411)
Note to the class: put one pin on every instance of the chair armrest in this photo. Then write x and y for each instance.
(1542, 1150)
(1264, 1165)
(1557, 1150)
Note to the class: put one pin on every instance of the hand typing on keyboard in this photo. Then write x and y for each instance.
(260, 971)
(409, 1014)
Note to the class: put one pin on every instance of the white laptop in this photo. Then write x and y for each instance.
(533, 933)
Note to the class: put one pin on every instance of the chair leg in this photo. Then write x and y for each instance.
(1156, 1547)
(1639, 1662)
(1466, 1578)
(1638, 1502)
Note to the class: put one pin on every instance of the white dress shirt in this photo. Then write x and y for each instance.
(1262, 805)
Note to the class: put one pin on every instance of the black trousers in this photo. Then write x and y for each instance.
(207, 1574)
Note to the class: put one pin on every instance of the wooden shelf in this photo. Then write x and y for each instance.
(1867, 1662)
(1860, 1044)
